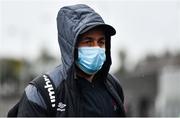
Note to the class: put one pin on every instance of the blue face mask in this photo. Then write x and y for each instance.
(90, 59)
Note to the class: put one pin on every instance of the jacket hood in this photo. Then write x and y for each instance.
(72, 21)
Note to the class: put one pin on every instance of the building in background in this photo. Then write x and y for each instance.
(151, 89)
(168, 99)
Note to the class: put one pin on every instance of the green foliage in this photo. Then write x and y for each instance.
(10, 69)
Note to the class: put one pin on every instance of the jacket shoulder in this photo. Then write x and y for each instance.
(34, 89)
(56, 75)
(31, 103)
(33, 95)
(34, 100)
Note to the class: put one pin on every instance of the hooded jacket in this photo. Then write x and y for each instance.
(71, 21)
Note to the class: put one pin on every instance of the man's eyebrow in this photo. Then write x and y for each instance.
(87, 38)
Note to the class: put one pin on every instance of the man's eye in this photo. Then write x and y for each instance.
(88, 43)
(102, 42)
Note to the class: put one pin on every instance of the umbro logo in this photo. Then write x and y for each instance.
(50, 90)
(61, 107)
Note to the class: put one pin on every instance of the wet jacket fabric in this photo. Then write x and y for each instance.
(71, 21)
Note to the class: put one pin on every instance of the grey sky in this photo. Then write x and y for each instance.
(149, 26)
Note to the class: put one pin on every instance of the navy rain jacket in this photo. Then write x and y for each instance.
(71, 21)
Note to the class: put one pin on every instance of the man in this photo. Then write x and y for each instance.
(83, 86)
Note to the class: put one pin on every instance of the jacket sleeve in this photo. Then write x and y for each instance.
(31, 103)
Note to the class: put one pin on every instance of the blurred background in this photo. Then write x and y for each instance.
(145, 50)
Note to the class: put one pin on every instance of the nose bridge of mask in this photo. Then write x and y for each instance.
(90, 50)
